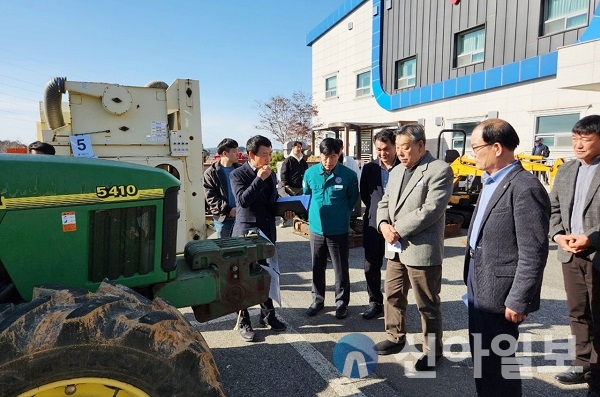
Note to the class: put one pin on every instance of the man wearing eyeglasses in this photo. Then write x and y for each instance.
(574, 226)
(505, 258)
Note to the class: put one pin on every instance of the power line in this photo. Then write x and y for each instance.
(13, 118)
(23, 67)
(20, 88)
(22, 81)
(20, 97)
(26, 105)
(11, 111)
(44, 63)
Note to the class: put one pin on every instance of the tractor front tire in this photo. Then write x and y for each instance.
(113, 342)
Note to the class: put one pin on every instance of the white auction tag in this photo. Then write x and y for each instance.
(81, 145)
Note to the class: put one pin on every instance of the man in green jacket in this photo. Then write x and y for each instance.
(334, 191)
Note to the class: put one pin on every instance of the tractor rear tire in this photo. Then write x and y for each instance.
(67, 336)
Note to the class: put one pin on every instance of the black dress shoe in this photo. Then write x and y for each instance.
(422, 363)
(314, 309)
(373, 311)
(572, 376)
(341, 312)
(273, 323)
(388, 347)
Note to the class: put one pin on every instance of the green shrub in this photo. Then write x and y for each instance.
(277, 156)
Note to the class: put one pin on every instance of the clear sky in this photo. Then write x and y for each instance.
(240, 51)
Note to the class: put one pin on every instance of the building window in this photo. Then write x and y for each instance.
(555, 131)
(470, 47)
(561, 15)
(406, 71)
(458, 137)
(363, 84)
(330, 87)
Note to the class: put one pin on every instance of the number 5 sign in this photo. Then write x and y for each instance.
(81, 145)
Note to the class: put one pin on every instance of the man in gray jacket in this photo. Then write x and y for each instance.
(505, 258)
(575, 227)
(411, 217)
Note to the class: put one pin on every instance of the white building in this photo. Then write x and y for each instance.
(451, 64)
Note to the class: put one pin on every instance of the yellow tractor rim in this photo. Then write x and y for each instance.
(85, 387)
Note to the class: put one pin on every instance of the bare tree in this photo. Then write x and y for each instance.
(287, 119)
(10, 144)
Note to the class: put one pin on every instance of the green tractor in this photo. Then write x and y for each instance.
(90, 282)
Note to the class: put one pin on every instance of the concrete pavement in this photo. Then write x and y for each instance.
(299, 362)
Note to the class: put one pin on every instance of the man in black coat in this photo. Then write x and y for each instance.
(292, 170)
(373, 180)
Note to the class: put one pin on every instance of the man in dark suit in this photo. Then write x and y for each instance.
(574, 226)
(373, 181)
(505, 258)
(254, 186)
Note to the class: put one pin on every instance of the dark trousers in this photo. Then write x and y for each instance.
(594, 380)
(541, 175)
(338, 247)
(577, 275)
(374, 245)
(266, 310)
(426, 282)
(268, 228)
(487, 363)
(493, 382)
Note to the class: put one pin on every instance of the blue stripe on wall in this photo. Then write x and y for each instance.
(512, 73)
(517, 72)
(332, 19)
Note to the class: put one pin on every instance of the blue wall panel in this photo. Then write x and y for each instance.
(478, 81)
(510, 73)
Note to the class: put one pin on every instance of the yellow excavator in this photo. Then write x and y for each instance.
(467, 178)
(536, 163)
(467, 181)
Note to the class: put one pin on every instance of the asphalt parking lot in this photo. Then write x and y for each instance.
(300, 361)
